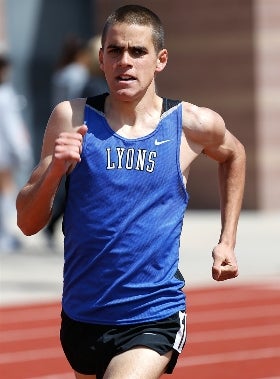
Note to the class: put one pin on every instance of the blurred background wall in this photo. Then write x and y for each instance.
(224, 55)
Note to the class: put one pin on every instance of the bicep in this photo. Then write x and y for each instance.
(66, 117)
(210, 133)
(223, 150)
(205, 128)
(57, 123)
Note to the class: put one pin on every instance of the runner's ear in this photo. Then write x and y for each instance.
(162, 60)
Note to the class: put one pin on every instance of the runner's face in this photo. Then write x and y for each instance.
(129, 60)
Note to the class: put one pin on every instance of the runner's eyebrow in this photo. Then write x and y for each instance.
(112, 46)
(134, 47)
(142, 48)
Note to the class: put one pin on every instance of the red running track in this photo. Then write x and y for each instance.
(233, 333)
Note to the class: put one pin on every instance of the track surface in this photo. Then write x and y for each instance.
(233, 333)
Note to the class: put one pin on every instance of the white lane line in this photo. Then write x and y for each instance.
(28, 334)
(68, 375)
(31, 355)
(254, 312)
(235, 333)
(26, 315)
(241, 295)
(231, 356)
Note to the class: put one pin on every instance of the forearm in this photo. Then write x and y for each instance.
(231, 181)
(34, 202)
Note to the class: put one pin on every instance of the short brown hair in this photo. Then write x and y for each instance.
(138, 15)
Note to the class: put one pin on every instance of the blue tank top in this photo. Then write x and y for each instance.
(124, 212)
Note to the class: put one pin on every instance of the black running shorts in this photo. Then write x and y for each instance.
(89, 348)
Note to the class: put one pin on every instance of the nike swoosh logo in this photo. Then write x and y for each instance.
(157, 143)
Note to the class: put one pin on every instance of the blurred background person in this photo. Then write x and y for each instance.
(72, 71)
(96, 83)
(16, 155)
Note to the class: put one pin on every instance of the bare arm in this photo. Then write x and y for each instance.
(219, 144)
(60, 152)
(231, 157)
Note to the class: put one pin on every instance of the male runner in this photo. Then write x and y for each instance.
(127, 156)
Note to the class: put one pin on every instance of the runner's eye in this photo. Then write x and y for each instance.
(114, 51)
(138, 51)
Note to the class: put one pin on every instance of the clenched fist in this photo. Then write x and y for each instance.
(224, 263)
(67, 149)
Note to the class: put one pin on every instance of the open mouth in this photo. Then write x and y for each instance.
(125, 78)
